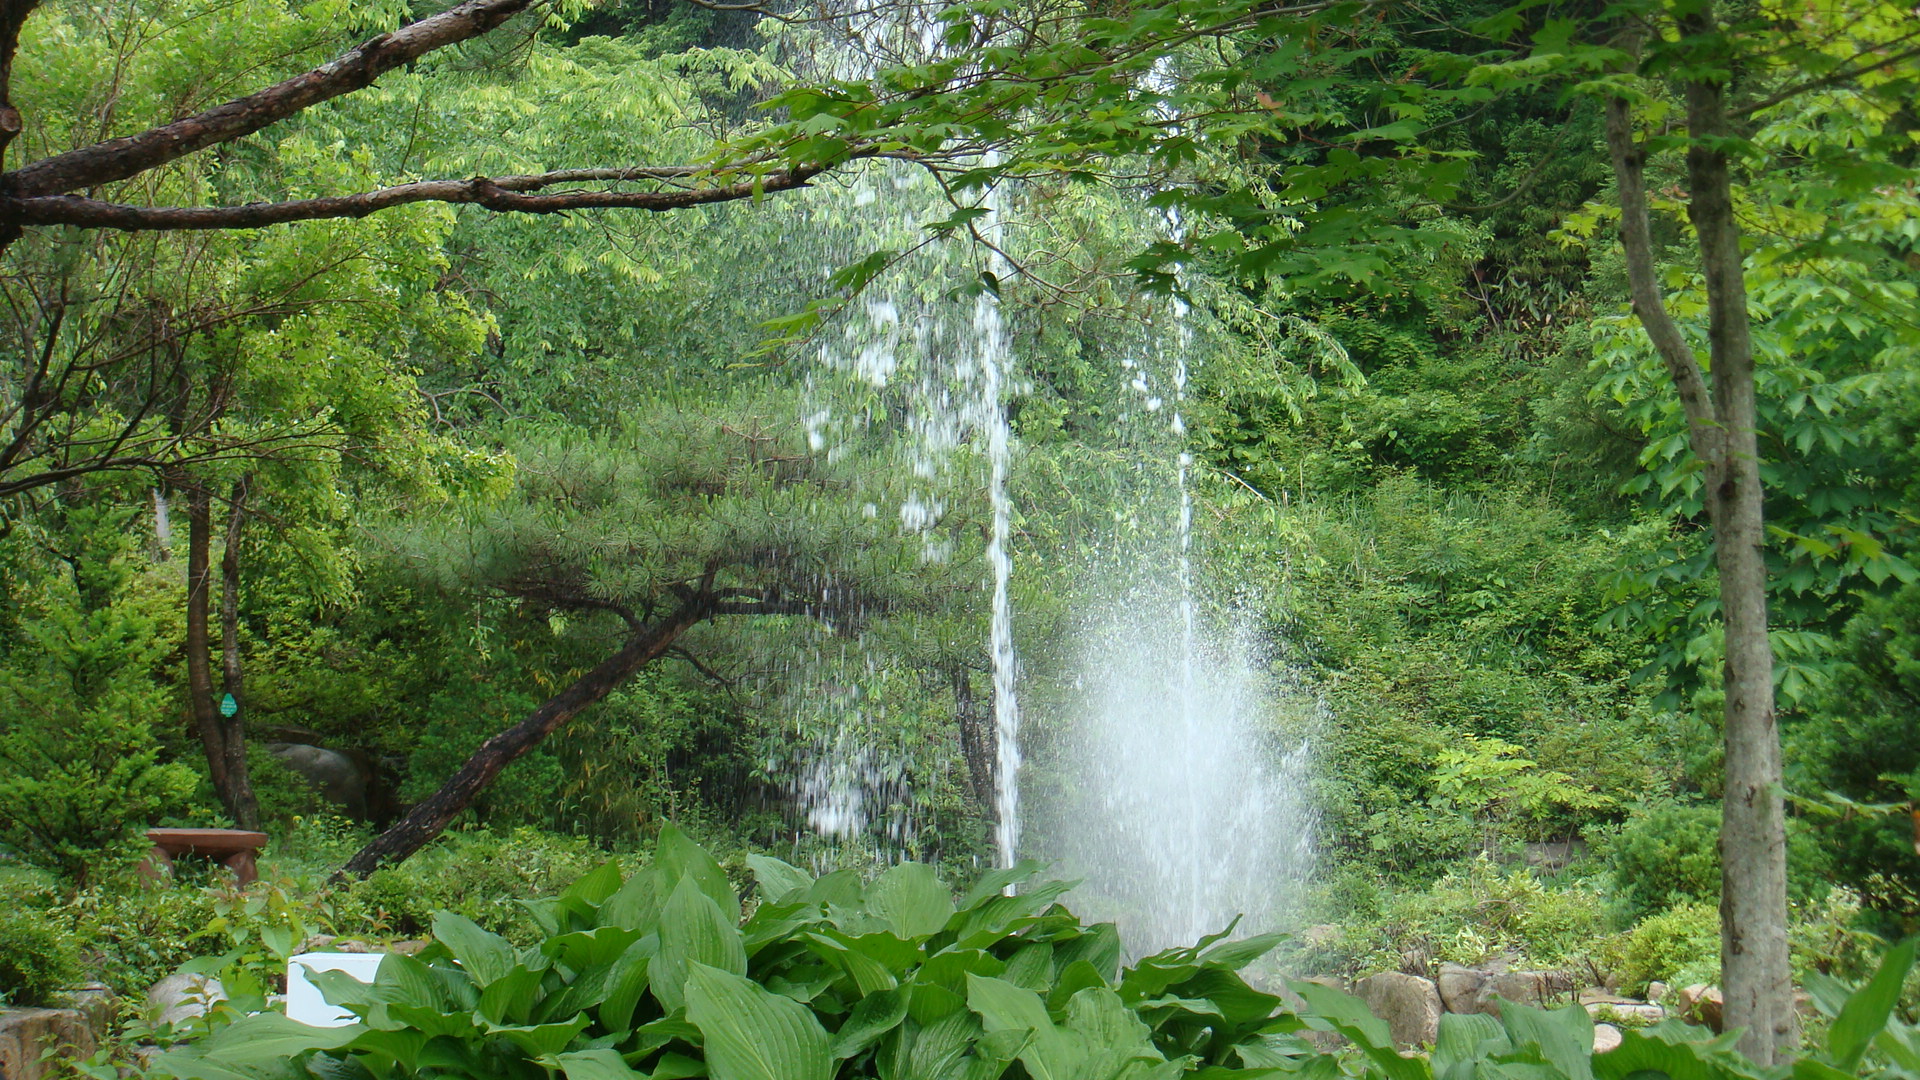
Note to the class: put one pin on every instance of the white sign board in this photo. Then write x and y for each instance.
(304, 1002)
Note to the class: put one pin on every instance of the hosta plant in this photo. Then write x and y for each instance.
(658, 976)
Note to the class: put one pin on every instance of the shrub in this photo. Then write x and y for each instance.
(38, 956)
(1670, 854)
(1679, 946)
(1482, 911)
(1666, 856)
(478, 874)
(79, 763)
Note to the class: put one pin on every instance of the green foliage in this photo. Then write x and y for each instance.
(657, 971)
(1857, 757)
(1468, 917)
(1679, 946)
(81, 772)
(479, 874)
(1669, 854)
(38, 956)
(1666, 856)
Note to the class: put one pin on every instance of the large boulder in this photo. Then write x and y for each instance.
(180, 997)
(1535, 989)
(1408, 1003)
(27, 1034)
(334, 775)
(1460, 987)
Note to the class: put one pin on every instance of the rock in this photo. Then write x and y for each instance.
(1460, 987)
(180, 997)
(1322, 934)
(1535, 989)
(26, 1035)
(410, 948)
(1605, 1037)
(1656, 991)
(1604, 1006)
(334, 776)
(1408, 1003)
(1701, 1004)
(1553, 855)
(94, 1001)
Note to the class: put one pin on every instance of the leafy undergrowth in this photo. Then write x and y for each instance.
(657, 975)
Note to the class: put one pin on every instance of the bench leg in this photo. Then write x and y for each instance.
(243, 866)
(157, 867)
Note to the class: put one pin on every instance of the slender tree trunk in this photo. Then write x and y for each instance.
(429, 818)
(241, 801)
(206, 719)
(1757, 981)
(220, 737)
(1756, 977)
(976, 738)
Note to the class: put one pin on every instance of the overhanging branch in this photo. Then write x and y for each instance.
(355, 69)
(515, 194)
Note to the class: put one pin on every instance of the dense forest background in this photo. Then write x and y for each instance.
(424, 464)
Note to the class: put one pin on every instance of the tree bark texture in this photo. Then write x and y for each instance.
(355, 69)
(245, 807)
(206, 720)
(1757, 979)
(220, 736)
(976, 739)
(1721, 420)
(431, 817)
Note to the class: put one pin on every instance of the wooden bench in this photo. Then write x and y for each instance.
(236, 849)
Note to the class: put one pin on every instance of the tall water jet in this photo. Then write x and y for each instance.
(920, 365)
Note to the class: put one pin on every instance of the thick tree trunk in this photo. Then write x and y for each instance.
(1757, 979)
(244, 806)
(429, 818)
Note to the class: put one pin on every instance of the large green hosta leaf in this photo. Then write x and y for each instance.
(693, 930)
(752, 1034)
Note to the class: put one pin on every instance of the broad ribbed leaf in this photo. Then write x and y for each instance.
(596, 1065)
(1465, 1038)
(636, 904)
(595, 886)
(751, 1034)
(1349, 1016)
(1005, 1007)
(509, 999)
(911, 899)
(272, 1037)
(693, 929)
(626, 984)
(1234, 955)
(485, 956)
(1564, 1036)
(776, 879)
(1866, 1012)
(678, 858)
(876, 1015)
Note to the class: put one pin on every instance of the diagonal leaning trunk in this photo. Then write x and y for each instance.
(1757, 980)
(431, 817)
